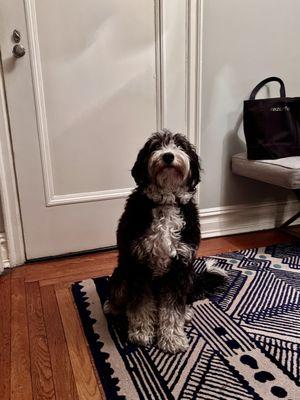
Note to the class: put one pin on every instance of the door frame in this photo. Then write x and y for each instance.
(8, 186)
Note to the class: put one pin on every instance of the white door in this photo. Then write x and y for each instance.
(91, 87)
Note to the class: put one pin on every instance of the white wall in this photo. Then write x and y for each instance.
(243, 43)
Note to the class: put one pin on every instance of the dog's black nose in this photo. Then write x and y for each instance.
(168, 158)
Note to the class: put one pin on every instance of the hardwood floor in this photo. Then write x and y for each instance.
(43, 351)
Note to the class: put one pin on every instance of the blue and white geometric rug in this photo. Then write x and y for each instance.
(244, 341)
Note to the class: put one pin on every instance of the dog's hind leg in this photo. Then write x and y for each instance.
(188, 315)
(142, 320)
(117, 294)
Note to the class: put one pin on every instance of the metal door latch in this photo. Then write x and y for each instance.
(18, 50)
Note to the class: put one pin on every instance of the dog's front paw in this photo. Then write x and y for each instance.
(141, 338)
(173, 343)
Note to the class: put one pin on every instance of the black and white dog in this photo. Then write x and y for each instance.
(158, 235)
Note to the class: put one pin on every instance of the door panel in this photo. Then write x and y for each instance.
(99, 89)
(82, 101)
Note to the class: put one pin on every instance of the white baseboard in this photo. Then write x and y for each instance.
(4, 260)
(230, 220)
(219, 221)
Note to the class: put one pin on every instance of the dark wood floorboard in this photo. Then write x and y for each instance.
(85, 377)
(43, 351)
(5, 336)
(41, 370)
(21, 388)
(63, 377)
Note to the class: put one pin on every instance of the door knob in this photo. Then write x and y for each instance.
(18, 50)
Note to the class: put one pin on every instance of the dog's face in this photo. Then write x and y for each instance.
(169, 161)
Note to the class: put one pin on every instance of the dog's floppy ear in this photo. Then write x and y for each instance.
(195, 168)
(139, 171)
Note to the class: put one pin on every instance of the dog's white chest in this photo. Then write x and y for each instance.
(162, 241)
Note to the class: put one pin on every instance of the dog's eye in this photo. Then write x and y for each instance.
(154, 146)
(181, 144)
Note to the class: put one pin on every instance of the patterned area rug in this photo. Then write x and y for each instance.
(244, 341)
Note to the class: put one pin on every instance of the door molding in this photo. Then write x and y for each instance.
(194, 75)
(39, 98)
(194, 36)
(85, 197)
(192, 101)
(14, 243)
(52, 199)
(159, 63)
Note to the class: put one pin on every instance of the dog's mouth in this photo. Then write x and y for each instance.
(169, 176)
(170, 167)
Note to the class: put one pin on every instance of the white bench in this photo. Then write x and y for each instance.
(284, 172)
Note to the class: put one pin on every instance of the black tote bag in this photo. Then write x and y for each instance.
(272, 126)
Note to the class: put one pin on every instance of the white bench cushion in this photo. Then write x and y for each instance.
(283, 172)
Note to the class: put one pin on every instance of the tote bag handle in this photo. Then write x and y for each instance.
(262, 83)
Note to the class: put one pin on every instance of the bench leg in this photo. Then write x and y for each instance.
(297, 193)
(290, 220)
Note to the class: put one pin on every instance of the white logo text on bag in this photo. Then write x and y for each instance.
(285, 108)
